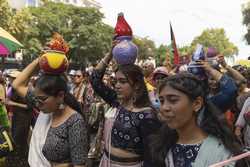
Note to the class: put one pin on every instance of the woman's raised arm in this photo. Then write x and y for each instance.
(20, 84)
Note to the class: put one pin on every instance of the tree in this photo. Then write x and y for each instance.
(246, 20)
(146, 48)
(6, 14)
(164, 52)
(185, 50)
(19, 24)
(215, 37)
(15, 22)
(89, 38)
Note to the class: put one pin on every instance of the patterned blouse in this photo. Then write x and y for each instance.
(130, 129)
(185, 154)
(66, 143)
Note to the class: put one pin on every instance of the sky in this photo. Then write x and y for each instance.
(150, 18)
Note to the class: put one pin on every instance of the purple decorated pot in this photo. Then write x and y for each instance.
(199, 53)
(125, 52)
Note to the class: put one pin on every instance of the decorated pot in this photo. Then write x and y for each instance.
(53, 62)
(125, 52)
(194, 67)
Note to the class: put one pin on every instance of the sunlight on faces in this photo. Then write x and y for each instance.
(177, 110)
(122, 86)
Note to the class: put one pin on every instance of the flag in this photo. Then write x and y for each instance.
(174, 47)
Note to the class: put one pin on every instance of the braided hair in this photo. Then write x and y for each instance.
(211, 120)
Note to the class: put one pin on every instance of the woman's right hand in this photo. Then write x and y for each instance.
(114, 43)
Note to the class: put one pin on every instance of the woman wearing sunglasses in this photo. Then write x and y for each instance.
(59, 137)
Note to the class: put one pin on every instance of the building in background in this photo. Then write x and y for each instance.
(18, 4)
(91, 3)
(81, 3)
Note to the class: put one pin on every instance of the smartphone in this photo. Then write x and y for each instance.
(213, 62)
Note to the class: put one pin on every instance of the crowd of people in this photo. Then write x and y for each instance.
(125, 116)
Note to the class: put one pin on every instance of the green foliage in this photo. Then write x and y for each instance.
(166, 51)
(146, 48)
(246, 20)
(19, 25)
(89, 38)
(185, 50)
(215, 38)
(162, 51)
(15, 22)
(82, 28)
(6, 14)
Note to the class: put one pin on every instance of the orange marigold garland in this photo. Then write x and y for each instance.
(54, 60)
(58, 43)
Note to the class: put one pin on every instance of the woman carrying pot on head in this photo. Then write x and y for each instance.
(193, 132)
(59, 137)
(131, 118)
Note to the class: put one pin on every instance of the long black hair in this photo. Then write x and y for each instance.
(53, 84)
(135, 77)
(212, 121)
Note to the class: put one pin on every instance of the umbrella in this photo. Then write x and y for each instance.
(8, 43)
(4, 50)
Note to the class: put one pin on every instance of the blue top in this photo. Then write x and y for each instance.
(130, 129)
(185, 154)
(227, 94)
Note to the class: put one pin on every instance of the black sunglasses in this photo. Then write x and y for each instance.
(78, 76)
(39, 100)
